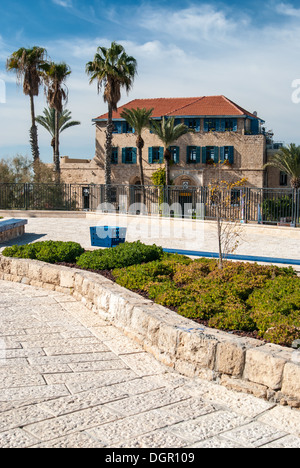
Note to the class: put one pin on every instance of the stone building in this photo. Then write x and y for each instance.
(223, 131)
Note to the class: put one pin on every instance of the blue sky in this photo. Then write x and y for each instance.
(248, 51)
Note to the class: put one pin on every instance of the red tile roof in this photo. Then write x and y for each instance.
(175, 107)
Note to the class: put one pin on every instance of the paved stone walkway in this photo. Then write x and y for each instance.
(70, 380)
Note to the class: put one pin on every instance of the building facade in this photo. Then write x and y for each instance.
(223, 132)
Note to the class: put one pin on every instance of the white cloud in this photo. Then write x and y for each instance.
(196, 22)
(288, 10)
(63, 3)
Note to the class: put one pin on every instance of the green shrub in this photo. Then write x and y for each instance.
(47, 251)
(243, 296)
(276, 306)
(282, 334)
(141, 276)
(123, 255)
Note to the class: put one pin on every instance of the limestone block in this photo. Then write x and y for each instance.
(230, 358)
(140, 320)
(5, 264)
(264, 366)
(291, 380)
(240, 385)
(67, 278)
(35, 270)
(50, 274)
(197, 348)
(167, 339)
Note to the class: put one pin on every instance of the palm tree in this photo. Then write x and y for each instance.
(48, 122)
(57, 93)
(287, 160)
(168, 133)
(139, 119)
(113, 69)
(27, 63)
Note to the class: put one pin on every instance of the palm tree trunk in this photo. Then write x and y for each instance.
(34, 141)
(167, 168)
(108, 154)
(56, 149)
(140, 147)
(108, 147)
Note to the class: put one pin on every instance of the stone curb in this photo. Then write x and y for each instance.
(243, 364)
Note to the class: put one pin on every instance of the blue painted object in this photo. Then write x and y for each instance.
(249, 258)
(107, 236)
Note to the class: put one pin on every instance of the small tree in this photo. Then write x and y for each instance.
(228, 227)
(48, 122)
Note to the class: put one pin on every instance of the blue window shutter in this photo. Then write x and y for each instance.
(134, 155)
(186, 122)
(114, 155)
(222, 125)
(177, 155)
(231, 155)
(150, 155)
(177, 122)
(188, 150)
(123, 155)
(218, 126)
(216, 154)
(197, 125)
(206, 125)
(119, 127)
(198, 154)
(254, 127)
(161, 155)
(234, 125)
(204, 157)
(222, 154)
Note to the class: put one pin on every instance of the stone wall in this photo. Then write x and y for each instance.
(267, 371)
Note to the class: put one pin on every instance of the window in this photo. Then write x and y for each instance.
(193, 155)
(128, 128)
(156, 155)
(129, 155)
(227, 154)
(117, 127)
(211, 125)
(210, 153)
(174, 154)
(230, 125)
(283, 179)
(193, 123)
(114, 155)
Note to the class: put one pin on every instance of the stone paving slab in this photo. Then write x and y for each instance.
(70, 380)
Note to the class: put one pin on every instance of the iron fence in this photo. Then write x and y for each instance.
(256, 205)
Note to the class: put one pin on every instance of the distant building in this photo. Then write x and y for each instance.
(223, 131)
